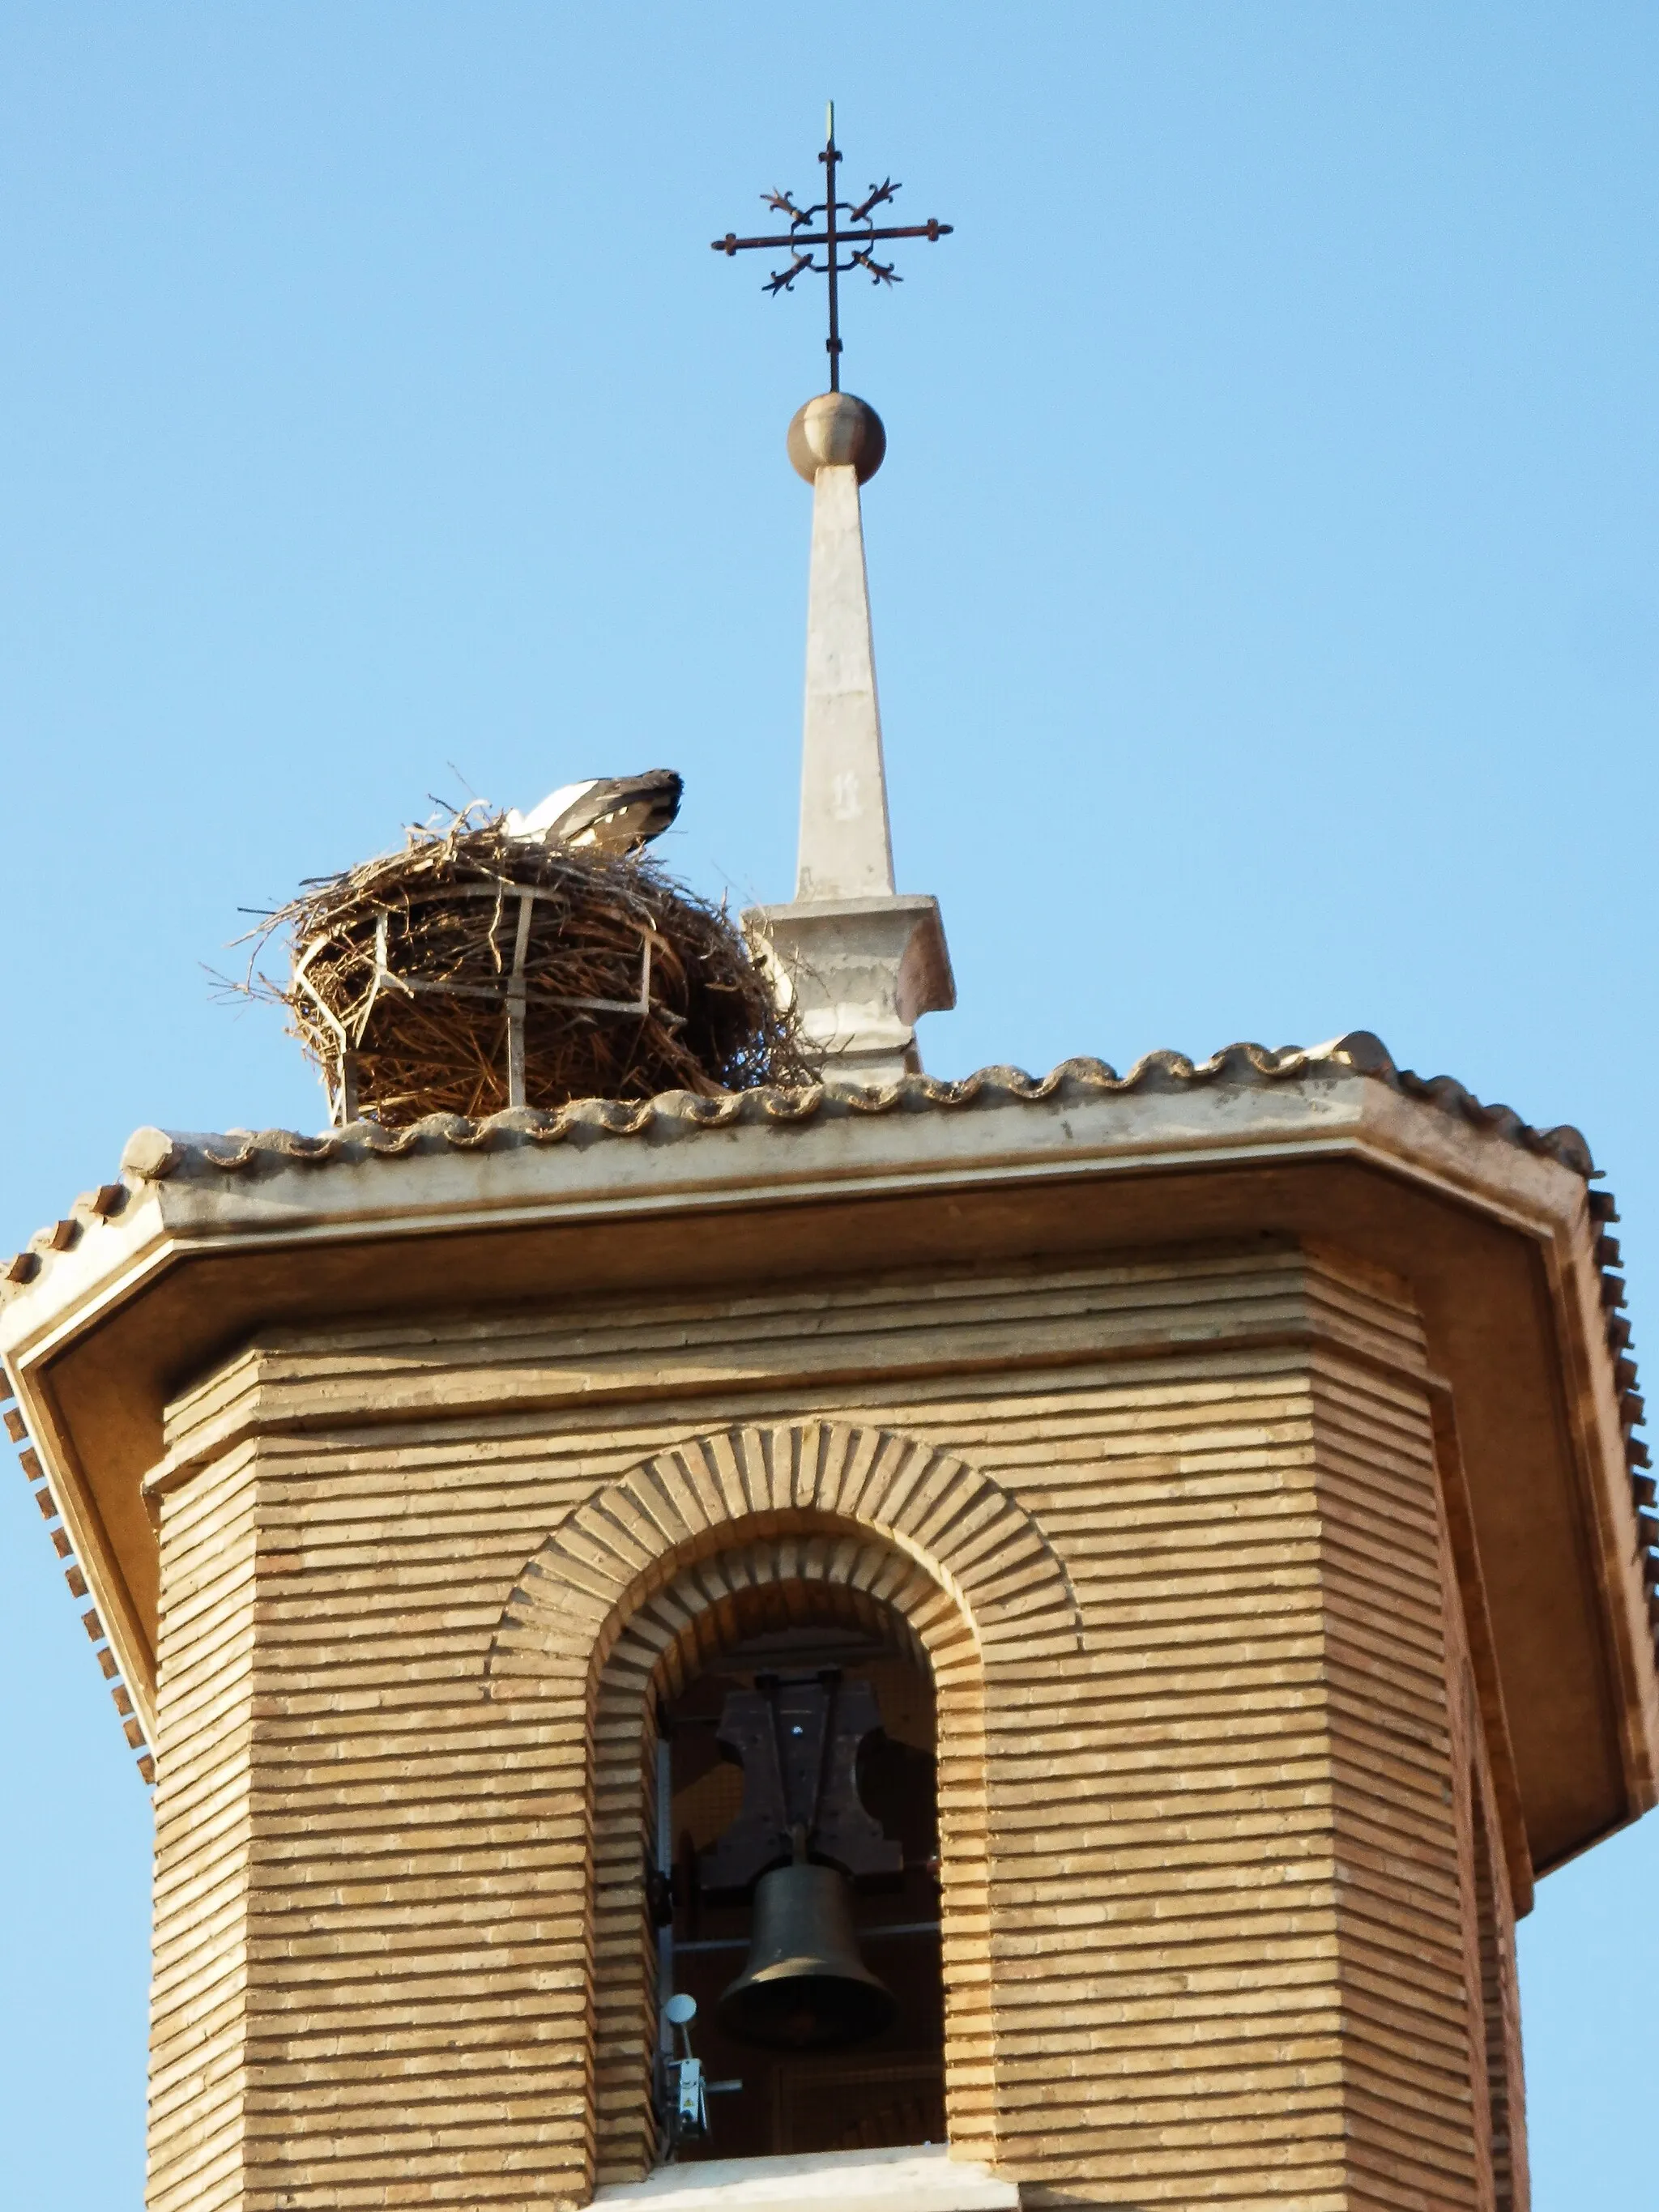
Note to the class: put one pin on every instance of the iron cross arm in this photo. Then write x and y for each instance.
(791, 239)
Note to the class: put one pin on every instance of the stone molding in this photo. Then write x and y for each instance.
(926, 2179)
(859, 974)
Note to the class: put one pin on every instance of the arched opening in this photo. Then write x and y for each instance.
(797, 1825)
(641, 1587)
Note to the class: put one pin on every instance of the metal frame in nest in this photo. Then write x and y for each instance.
(474, 971)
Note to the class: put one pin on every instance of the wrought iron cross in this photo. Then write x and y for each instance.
(844, 225)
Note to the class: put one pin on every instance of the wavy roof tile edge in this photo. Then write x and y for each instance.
(152, 1155)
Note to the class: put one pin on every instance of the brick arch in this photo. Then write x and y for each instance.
(614, 1552)
(650, 1578)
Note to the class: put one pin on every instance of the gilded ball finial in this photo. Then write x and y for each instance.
(836, 430)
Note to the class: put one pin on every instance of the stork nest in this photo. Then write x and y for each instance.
(473, 970)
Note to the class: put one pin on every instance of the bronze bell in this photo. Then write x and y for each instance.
(805, 1987)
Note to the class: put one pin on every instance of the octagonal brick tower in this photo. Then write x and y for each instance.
(1242, 1451)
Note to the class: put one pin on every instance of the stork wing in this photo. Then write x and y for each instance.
(541, 818)
(618, 813)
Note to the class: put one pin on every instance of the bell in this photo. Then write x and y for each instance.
(805, 1987)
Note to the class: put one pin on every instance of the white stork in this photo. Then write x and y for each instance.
(614, 814)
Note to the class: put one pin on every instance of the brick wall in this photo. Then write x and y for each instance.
(1209, 1941)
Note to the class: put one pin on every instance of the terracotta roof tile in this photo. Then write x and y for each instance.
(153, 1154)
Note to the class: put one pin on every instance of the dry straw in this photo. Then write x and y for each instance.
(474, 971)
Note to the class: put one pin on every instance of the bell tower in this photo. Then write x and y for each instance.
(849, 1638)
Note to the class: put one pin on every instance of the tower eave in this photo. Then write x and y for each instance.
(1490, 1225)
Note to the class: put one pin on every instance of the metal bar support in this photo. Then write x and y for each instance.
(515, 1003)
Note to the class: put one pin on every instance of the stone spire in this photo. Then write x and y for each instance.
(861, 963)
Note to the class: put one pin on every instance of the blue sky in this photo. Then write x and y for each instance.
(1265, 572)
